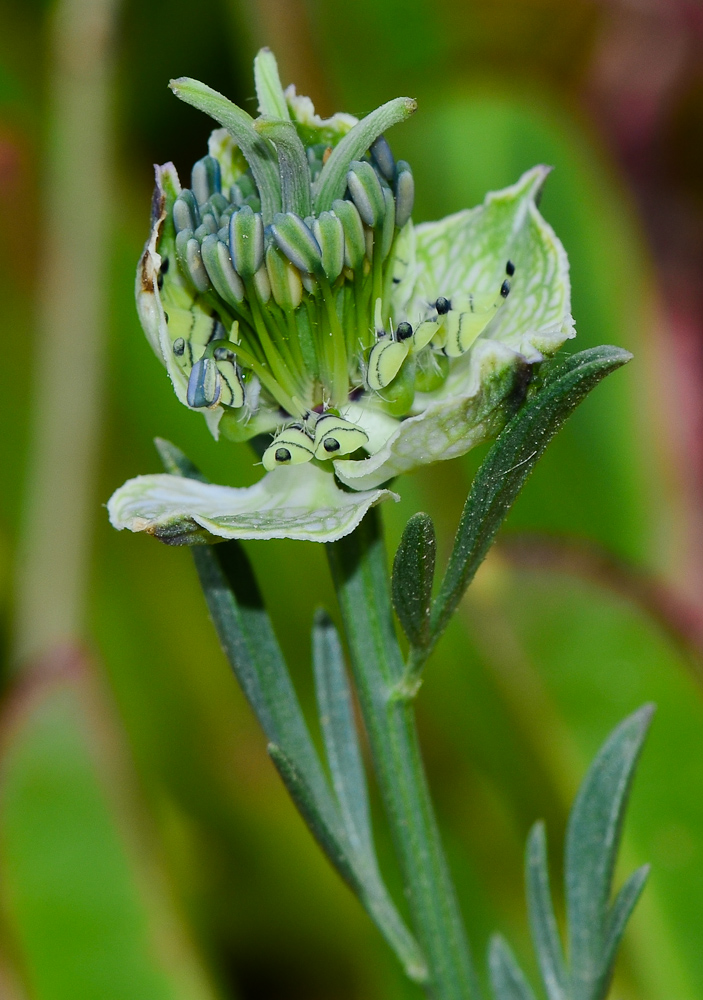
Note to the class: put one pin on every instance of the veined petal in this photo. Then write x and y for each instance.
(494, 383)
(467, 253)
(301, 502)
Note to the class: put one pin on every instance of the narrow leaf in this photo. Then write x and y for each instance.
(248, 640)
(507, 978)
(293, 164)
(509, 463)
(545, 934)
(245, 631)
(333, 178)
(340, 734)
(305, 800)
(272, 100)
(413, 575)
(592, 841)
(259, 153)
(620, 913)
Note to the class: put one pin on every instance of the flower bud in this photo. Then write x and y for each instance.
(366, 193)
(246, 242)
(218, 264)
(205, 178)
(286, 286)
(297, 242)
(329, 233)
(354, 239)
(404, 193)
(185, 211)
(383, 158)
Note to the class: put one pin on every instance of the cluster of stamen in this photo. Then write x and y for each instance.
(300, 308)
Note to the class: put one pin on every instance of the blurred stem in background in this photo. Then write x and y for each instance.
(68, 362)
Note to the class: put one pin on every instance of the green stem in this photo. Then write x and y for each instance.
(358, 566)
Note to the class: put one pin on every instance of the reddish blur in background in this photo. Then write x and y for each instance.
(147, 849)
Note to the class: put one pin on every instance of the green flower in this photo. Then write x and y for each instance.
(292, 301)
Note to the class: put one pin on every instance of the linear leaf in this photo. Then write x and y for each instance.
(272, 99)
(592, 841)
(259, 153)
(413, 575)
(545, 934)
(249, 642)
(509, 463)
(620, 913)
(293, 164)
(333, 177)
(245, 631)
(507, 978)
(340, 734)
(307, 804)
(364, 881)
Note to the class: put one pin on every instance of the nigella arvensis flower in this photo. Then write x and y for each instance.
(289, 295)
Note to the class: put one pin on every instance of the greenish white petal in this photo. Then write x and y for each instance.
(301, 502)
(466, 253)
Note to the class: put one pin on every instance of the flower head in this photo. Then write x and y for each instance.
(289, 294)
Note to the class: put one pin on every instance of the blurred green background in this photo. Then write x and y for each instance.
(147, 848)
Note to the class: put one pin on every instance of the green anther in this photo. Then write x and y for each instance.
(335, 437)
(329, 233)
(385, 361)
(354, 239)
(204, 384)
(190, 261)
(218, 205)
(286, 286)
(186, 214)
(297, 242)
(404, 193)
(246, 242)
(366, 192)
(292, 446)
(218, 264)
(383, 158)
(206, 227)
(262, 284)
(205, 178)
